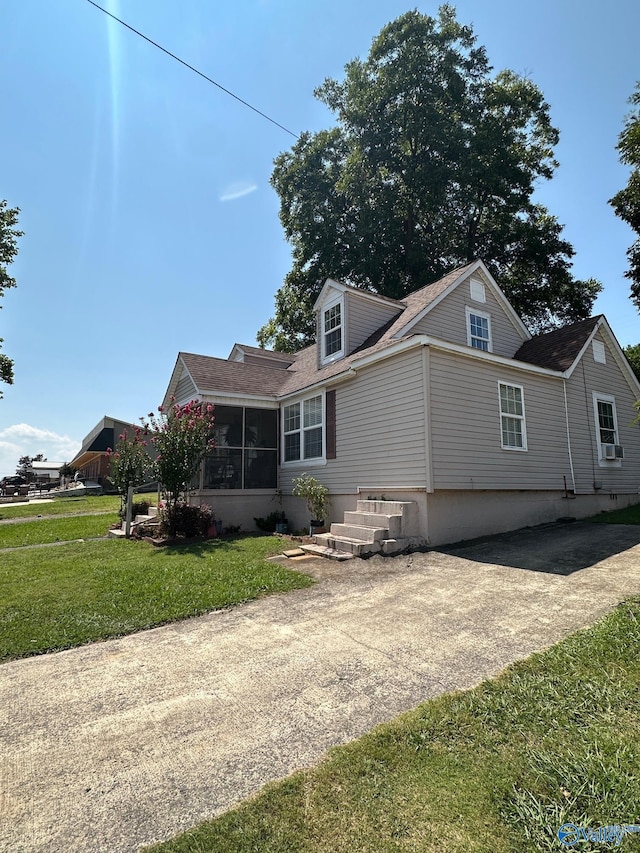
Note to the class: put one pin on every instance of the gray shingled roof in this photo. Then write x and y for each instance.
(557, 350)
(213, 375)
(273, 355)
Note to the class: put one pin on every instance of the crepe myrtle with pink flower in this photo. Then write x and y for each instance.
(182, 436)
(130, 462)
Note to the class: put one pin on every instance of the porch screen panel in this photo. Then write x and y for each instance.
(223, 469)
(245, 455)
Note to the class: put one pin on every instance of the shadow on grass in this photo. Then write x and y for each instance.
(206, 547)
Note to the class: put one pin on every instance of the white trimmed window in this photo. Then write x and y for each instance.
(478, 329)
(604, 410)
(303, 430)
(332, 331)
(513, 429)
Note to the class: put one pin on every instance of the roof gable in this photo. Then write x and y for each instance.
(244, 352)
(422, 301)
(220, 376)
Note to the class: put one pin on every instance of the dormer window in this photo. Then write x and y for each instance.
(478, 330)
(332, 331)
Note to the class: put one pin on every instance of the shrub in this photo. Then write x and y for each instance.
(185, 521)
(269, 523)
(137, 508)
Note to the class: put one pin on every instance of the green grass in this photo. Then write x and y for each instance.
(493, 770)
(45, 530)
(63, 506)
(56, 598)
(629, 515)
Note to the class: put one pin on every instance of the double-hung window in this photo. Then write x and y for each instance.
(604, 409)
(303, 430)
(333, 331)
(512, 419)
(478, 329)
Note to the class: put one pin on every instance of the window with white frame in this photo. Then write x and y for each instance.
(512, 418)
(604, 409)
(333, 331)
(303, 430)
(478, 329)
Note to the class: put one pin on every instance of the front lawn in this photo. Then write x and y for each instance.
(497, 769)
(55, 598)
(66, 506)
(51, 529)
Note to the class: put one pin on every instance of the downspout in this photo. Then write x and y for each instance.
(566, 417)
(426, 388)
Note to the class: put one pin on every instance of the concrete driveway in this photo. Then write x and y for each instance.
(118, 744)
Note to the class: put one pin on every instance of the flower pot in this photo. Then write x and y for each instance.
(316, 526)
(212, 531)
(282, 527)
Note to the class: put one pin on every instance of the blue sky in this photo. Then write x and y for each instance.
(150, 226)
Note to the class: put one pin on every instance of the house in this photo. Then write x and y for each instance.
(442, 400)
(45, 473)
(92, 461)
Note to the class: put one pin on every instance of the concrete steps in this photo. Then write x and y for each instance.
(391, 523)
(375, 527)
(119, 532)
(361, 532)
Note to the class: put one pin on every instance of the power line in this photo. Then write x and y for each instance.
(195, 70)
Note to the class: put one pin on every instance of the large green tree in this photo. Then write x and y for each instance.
(632, 353)
(8, 250)
(432, 163)
(626, 203)
(24, 466)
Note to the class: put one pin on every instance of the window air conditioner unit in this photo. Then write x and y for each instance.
(619, 451)
(609, 451)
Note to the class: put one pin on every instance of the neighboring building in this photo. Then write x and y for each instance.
(45, 473)
(442, 398)
(92, 460)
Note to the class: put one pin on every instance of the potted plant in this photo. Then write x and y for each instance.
(316, 497)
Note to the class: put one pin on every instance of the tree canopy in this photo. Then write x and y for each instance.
(632, 353)
(23, 468)
(8, 251)
(432, 164)
(626, 203)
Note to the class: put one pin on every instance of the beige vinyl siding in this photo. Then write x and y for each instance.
(185, 389)
(590, 376)
(364, 317)
(380, 431)
(448, 320)
(466, 430)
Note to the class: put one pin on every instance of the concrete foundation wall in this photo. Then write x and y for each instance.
(453, 516)
(441, 517)
(238, 509)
